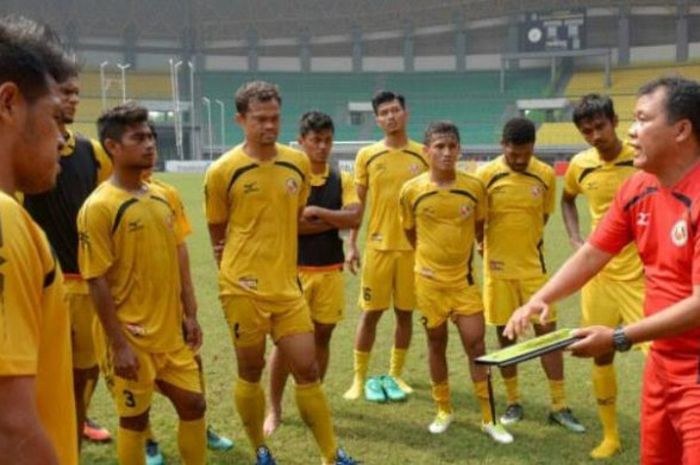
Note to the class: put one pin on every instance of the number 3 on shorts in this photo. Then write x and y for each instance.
(129, 400)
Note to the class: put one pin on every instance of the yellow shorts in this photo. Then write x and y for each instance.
(387, 274)
(82, 317)
(437, 303)
(503, 296)
(324, 292)
(610, 303)
(133, 398)
(250, 319)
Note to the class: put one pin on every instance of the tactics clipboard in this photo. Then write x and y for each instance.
(529, 349)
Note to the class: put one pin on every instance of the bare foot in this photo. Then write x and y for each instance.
(272, 422)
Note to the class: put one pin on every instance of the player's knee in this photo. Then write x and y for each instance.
(251, 372)
(476, 348)
(194, 407)
(306, 372)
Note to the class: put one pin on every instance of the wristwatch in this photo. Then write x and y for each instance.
(621, 343)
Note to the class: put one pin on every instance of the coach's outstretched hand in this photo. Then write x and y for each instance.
(595, 341)
(520, 320)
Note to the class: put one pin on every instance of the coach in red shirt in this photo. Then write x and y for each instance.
(659, 209)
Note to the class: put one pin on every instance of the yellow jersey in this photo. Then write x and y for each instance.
(132, 241)
(517, 205)
(444, 219)
(175, 201)
(35, 338)
(383, 171)
(259, 201)
(598, 180)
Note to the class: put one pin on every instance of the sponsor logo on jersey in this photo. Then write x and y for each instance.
(414, 169)
(135, 330)
(248, 282)
(250, 187)
(536, 191)
(679, 233)
(376, 237)
(466, 210)
(135, 225)
(643, 219)
(427, 272)
(292, 186)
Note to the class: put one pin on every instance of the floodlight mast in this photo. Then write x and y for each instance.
(177, 116)
(223, 123)
(207, 103)
(193, 141)
(103, 84)
(123, 67)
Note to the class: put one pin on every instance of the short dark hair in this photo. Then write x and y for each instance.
(25, 58)
(682, 99)
(518, 131)
(440, 127)
(384, 96)
(46, 44)
(315, 121)
(592, 106)
(113, 123)
(261, 91)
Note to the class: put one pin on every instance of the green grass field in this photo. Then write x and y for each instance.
(391, 434)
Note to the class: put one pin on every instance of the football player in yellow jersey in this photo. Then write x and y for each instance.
(37, 409)
(84, 165)
(214, 440)
(130, 255)
(387, 272)
(332, 205)
(616, 295)
(443, 212)
(521, 196)
(254, 197)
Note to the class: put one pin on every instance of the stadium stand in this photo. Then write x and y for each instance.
(625, 84)
(472, 100)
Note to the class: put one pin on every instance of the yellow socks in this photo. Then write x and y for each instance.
(441, 396)
(556, 391)
(482, 394)
(192, 441)
(361, 366)
(130, 447)
(314, 410)
(605, 389)
(250, 403)
(512, 393)
(398, 360)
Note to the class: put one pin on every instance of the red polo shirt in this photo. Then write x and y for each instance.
(663, 222)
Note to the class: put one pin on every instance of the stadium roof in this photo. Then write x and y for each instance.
(234, 19)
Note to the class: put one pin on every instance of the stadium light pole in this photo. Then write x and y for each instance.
(207, 102)
(223, 123)
(103, 86)
(123, 67)
(174, 73)
(193, 142)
